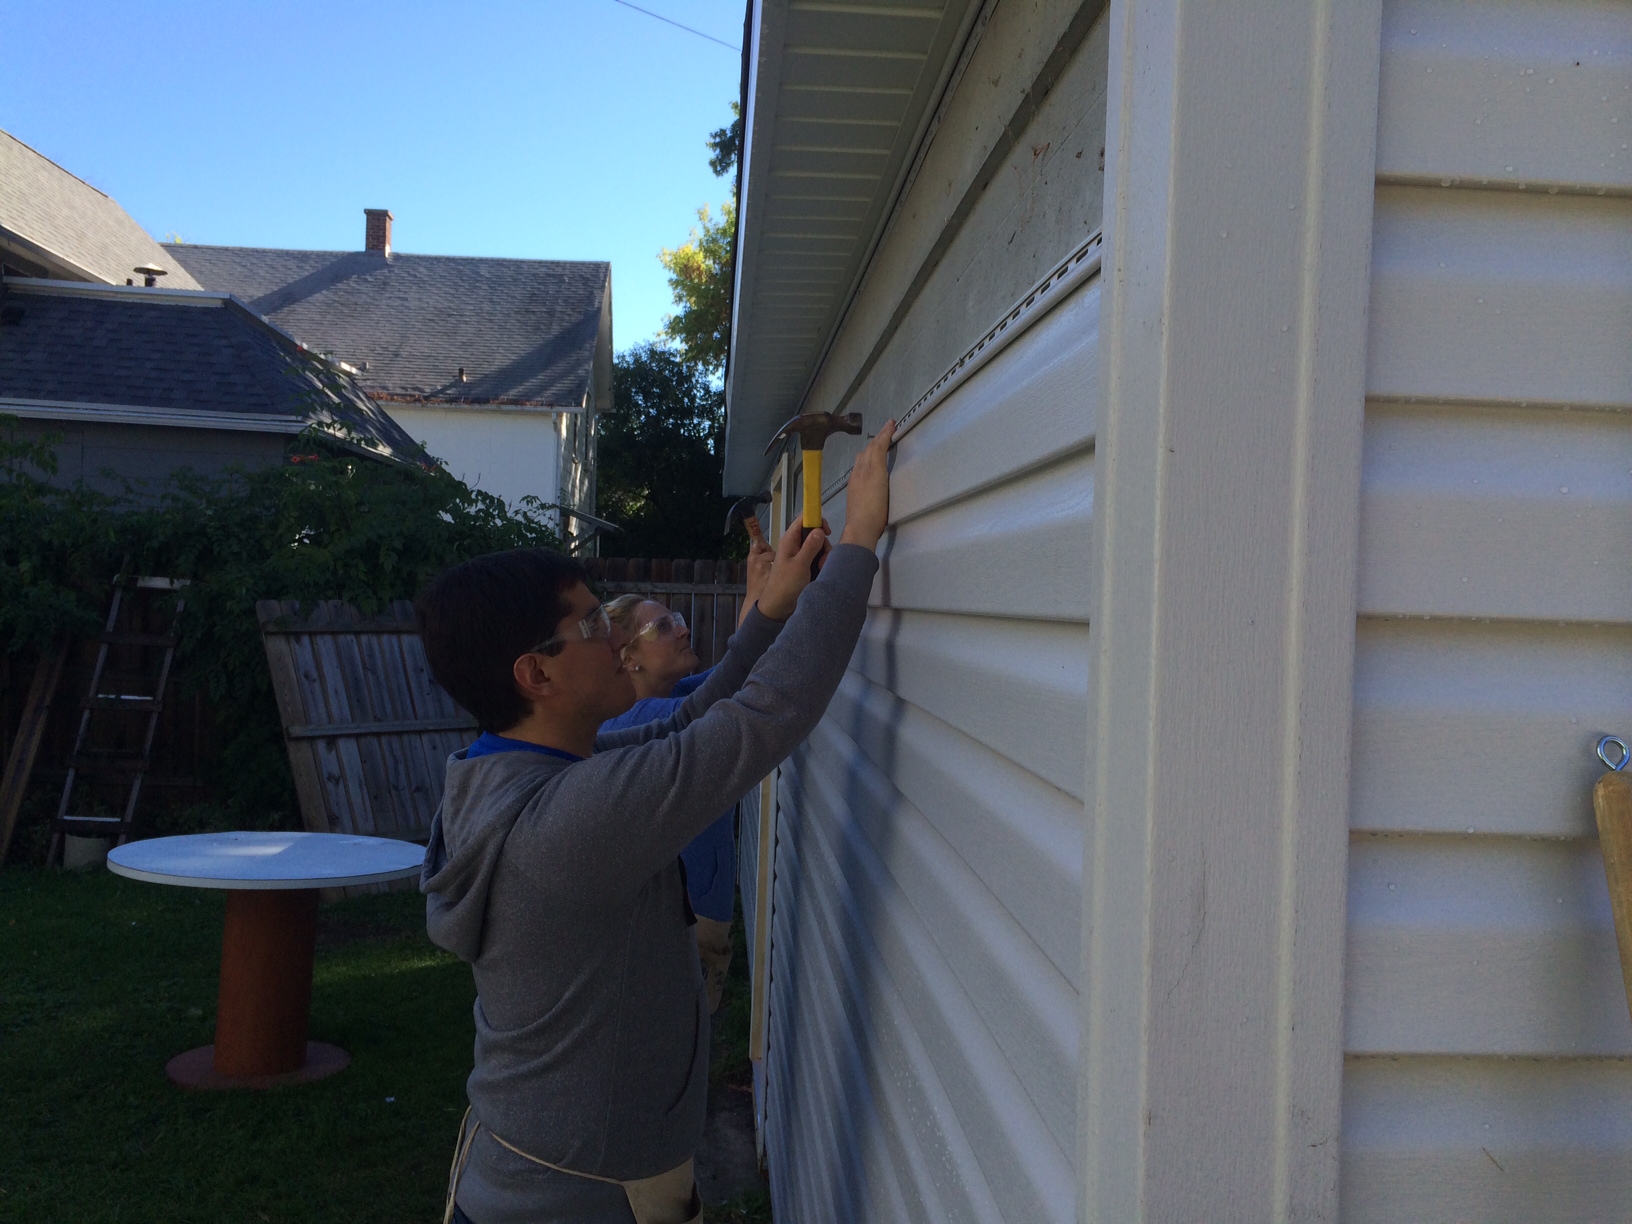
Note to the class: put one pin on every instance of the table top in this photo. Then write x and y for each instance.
(266, 860)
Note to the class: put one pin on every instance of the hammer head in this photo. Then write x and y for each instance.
(814, 428)
(743, 509)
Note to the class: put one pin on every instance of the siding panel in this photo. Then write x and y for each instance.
(1497, 296)
(922, 1049)
(1488, 945)
(993, 543)
(1010, 1147)
(1021, 837)
(880, 1053)
(1489, 1074)
(1497, 513)
(1462, 726)
(1501, 1141)
(1027, 406)
(1026, 1005)
(1031, 680)
(1506, 93)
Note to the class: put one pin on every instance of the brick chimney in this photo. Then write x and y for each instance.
(377, 231)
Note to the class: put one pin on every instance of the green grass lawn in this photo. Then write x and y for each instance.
(103, 979)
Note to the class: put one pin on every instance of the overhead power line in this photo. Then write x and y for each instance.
(677, 25)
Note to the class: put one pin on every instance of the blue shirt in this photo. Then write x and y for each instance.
(711, 858)
(487, 744)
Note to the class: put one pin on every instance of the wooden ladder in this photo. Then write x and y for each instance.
(126, 766)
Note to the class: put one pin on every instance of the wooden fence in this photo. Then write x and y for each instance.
(367, 728)
(709, 593)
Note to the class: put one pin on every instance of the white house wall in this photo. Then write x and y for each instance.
(512, 454)
(1489, 1070)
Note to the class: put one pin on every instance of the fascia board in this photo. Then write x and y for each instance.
(139, 414)
(96, 289)
(43, 256)
(743, 472)
(457, 406)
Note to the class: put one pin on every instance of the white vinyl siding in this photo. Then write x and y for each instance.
(926, 948)
(1488, 1073)
(510, 453)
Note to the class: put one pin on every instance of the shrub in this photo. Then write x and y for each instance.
(326, 524)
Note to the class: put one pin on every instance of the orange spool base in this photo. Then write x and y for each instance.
(196, 1069)
(264, 1010)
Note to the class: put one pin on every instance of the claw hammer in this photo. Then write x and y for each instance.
(744, 511)
(814, 429)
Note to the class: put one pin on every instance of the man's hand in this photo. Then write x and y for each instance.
(760, 558)
(867, 501)
(790, 572)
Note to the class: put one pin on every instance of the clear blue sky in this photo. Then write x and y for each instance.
(564, 129)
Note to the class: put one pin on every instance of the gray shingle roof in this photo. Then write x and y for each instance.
(65, 217)
(62, 343)
(523, 329)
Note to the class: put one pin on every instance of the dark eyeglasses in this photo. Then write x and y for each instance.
(595, 625)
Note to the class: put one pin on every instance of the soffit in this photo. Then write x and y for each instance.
(839, 97)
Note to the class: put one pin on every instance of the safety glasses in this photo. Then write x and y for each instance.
(596, 625)
(663, 626)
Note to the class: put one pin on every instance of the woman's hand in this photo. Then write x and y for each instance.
(867, 501)
(790, 572)
(760, 558)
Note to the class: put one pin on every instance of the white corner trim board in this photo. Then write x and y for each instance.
(138, 414)
(1240, 148)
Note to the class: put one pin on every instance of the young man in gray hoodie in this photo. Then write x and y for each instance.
(553, 865)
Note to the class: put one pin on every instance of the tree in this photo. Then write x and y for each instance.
(700, 277)
(661, 449)
(726, 144)
(700, 271)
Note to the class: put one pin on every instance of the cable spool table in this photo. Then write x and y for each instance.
(272, 881)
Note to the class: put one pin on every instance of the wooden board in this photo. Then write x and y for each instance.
(30, 730)
(367, 728)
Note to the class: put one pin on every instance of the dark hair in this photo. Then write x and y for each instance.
(479, 616)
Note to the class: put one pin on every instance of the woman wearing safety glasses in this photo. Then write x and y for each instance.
(660, 660)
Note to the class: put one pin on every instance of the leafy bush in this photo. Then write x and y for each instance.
(327, 524)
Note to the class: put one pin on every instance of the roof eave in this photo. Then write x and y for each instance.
(752, 414)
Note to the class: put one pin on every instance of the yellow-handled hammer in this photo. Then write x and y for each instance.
(814, 429)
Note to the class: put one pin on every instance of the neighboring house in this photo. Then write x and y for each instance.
(1202, 831)
(140, 382)
(57, 226)
(498, 365)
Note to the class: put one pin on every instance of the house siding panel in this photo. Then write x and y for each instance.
(1489, 1071)
(927, 914)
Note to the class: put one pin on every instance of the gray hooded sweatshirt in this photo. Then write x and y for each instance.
(559, 882)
